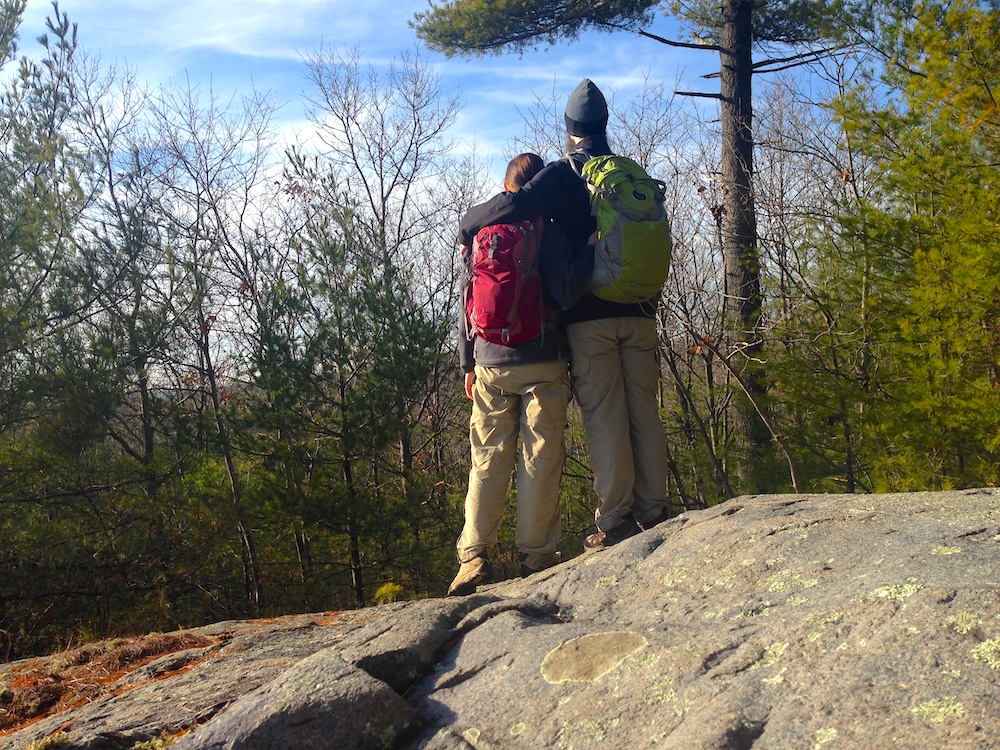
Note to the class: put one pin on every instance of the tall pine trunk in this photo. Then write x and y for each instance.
(742, 303)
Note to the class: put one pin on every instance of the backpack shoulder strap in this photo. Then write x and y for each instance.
(577, 159)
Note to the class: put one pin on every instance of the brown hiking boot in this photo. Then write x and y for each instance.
(531, 564)
(470, 574)
(625, 528)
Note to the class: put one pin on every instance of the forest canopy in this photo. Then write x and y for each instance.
(228, 381)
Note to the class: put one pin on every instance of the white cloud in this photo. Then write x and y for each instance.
(267, 28)
(260, 43)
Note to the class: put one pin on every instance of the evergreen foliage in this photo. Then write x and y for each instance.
(934, 147)
(480, 27)
(774, 21)
(489, 26)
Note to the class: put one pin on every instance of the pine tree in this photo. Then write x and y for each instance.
(934, 235)
(731, 29)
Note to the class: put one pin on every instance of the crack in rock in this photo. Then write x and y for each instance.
(536, 610)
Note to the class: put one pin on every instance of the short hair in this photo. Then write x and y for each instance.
(521, 169)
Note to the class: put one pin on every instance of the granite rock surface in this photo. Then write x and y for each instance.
(780, 621)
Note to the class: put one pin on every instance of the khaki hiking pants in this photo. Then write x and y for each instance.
(615, 378)
(527, 401)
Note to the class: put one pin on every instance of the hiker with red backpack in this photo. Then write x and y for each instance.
(515, 357)
(609, 206)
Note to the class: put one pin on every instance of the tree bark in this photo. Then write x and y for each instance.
(742, 303)
(354, 541)
(253, 579)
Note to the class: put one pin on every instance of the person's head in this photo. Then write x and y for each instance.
(520, 170)
(586, 111)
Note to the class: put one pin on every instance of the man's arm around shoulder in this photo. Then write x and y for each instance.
(497, 210)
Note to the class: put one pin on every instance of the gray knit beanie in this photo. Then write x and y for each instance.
(586, 110)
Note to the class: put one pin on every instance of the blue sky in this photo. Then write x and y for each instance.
(261, 43)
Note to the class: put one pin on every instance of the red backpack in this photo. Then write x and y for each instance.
(503, 300)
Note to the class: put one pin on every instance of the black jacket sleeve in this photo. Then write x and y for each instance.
(565, 269)
(497, 210)
(466, 344)
(559, 193)
(556, 192)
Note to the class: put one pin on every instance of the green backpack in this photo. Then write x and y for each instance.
(632, 252)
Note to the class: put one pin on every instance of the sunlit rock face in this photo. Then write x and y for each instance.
(793, 621)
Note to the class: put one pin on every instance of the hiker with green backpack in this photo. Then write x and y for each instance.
(609, 204)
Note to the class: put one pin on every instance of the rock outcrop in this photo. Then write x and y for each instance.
(795, 621)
